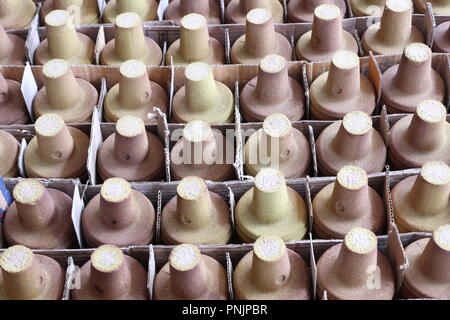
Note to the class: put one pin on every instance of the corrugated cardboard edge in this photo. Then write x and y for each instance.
(361, 50)
(95, 142)
(309, 205)
(159, 208)
(20, 159)
(151, 271)
(385, 129)
(227, 47)
(239, 149)
(232, 204)
(388, 198)
(32, 41)
(312, 142)
(71, 272)
(285, 10)
(229, 270)
(430, 25)
(99, 44)
(375, 77)
(313, 266)
(222, 11)
(164, 135)
(396, 254)
(305, 82)
(447, 78)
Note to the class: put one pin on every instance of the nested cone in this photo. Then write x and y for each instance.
(16, 14)
(13, 109)
(352, 141)
(195, 215)
(362, 8)
(259, 40)
(39, 217)
(12, 49)
(280, 146)
(355, 269)
(111, 275)
(9, 153)
(441, 42)
(131, 153)
(28, 276)
(177, 9)
(440, 7)
(271, 272)
(190, 275)
(145, 9)
(236, 10)
(303, 10)
(85, 11)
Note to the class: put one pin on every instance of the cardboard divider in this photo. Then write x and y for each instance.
(313, 267)
(151, 274)
(229, 268)
(396, 254)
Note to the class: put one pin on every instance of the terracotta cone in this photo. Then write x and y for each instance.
(342, 89)
(85, 11)
(63, 41)
(146, 9)
(442, 38)
(299, 11)
(421, 137)
(440, 7)
(347, 203)
(13, 109)
(421, 203)
(355, 269)
(195, 215)
(427, 273)
(202, 98)
(16, 14)
(361, 8)
(177, 9)
(111, 275)
(259, 40)
(195, 44)
(39, 217)
(135, 95)
(119, 216)
(352, 141)
(272, 91)
(57, 151)
(271, 208)
(130, 43)
(9, 153)
(237, 10)
(29, 276)
(407, 84)
(202, 152)
(12, 49)
(190, 275)
(394, 32)
(277, 145)
(271, 272)
(71, 98)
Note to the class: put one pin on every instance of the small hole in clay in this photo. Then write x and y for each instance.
(282, 279)
(56, 155)
(98, 289)
(41, 279)
(338, 90)
(125, 156)
(186, 220)
(285, 153)
(340, 207)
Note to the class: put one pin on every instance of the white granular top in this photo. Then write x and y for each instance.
(277, 125)
(57, 17)
(115, 189)
(259, 16)
(269, 248)
(272, 63)
(360, 240)
(418, 52)
(197, 130)
(441, 237)
(127, 20)
(197, 71)
(436, 172)
(185, 257)
(132, 68)
(327, 12)
(55, 68)
(399, 5)
(193, 21)
(269, 180)
(431, 111)
(130, 126)
(49, 124)
(352, 177)
(357, 122)
(28, 191)
(16, 259)
(345, 59)
(191, 188)
(107, 258)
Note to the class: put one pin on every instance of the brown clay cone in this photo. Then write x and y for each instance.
(29, 276)
(146, 9)
(303, 10)
(16, 14)
(361, 8)
(9, 153)
(86, 11)
(13, 109)
(237, 10)
(189, 275)
(12, 49)
(440, 7)
(441, 41)
(177, 9)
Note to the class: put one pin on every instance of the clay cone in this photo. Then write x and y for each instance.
(111, 275)
(394, 32)
(195, 44)
(342, 89)
(57, 151)
(119, 216)
(326, 37)
(39, 217)
(16, 14)
(145, 9)
(131, 153)
(272, 91)
(135, 95)
(421, 137)
(85, 11)
(202, 152)
(190, 275)
(407, 84)
(442, 38)
(177, 9)
(355, 269)
(352, 141)
(13, 109)
(9, 153)
(237, 10)
(421, 203)
(259, 40)
(347, 203)
(195, 215)
(427, 273)
(202, 98)
(63, 41)
(29, 276)
(130, 43)
(440, 7)
(271, 272)
(362, 8)
(12, 49)
(271, 208)
(303, 10)
(277, 145)
(71, 98)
